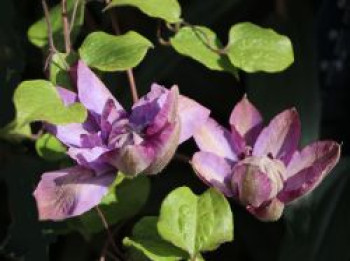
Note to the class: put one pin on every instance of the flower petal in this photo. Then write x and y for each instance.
(214, 171)
(131, 160)
(281, 137)
(272, 211)
(192, 116)
(91, 158)
(246, 120)
(70, 192)
(91, 91)
(68, 97)
(164, 145)
(212, 137)
(308, 168)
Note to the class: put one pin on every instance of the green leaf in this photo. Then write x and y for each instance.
(169, 10)
(146, 239)
(38, 100)
(59, 69)
(125, 199)
(200, 43)
(50, 148)
(14, 132)
(37, 33)
(196, 223)
(114, 53)
(253, 48)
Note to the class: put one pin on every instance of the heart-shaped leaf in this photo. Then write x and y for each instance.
(196, 223)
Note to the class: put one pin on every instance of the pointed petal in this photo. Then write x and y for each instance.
(192, 116)
(215, 171)
(308, 168)
(91, 158)
(281, 137)
(212, 137)
(70, 192)
(91, 91)
(246, 120)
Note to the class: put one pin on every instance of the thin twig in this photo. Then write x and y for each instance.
(52, 48)
(183, 158)
(159, 35)
(109, 234)
(206, 41)
(66, 30)
(129, 72)
(74, 15)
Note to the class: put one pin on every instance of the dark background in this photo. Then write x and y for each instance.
(316, 227)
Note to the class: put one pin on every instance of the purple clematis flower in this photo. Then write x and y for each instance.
(111, 139)
(261, 167)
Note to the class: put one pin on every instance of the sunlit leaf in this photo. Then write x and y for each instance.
(169, 10)
(196, 223)
(114, 53)
(50, 148)
(38, 100)
(253, 48)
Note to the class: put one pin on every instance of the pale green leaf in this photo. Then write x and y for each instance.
(168, 10)
(146, 239)
(38, 100)
(253, 48)
(50, 148)
(196, 223)
(37, 33)
(114, 53)
(14, 132)
(201, 44)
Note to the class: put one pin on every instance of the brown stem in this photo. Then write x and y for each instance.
(109, 234)
(49, 26)
(66, 27)
(183, 158)
(129, 72)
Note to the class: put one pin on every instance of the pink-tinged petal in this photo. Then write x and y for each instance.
(68, 97)
(308, 168)
(257, 180)
(164, 145)
(90, 158)
(281, 138)
(212, 137)
(91, 91)
(269, 212)
(192, 116)
(130, 160)
(246, 120)
(214, 171)
(70, 192)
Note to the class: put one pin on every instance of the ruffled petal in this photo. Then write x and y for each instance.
(246, 120)
(192, 116)
(281, 138)
(215, 171)
(308, 168)
(212, 137)
(70, 192)
(68, 97)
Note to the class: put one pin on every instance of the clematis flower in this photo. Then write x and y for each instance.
(261, 167)
(141, 141)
